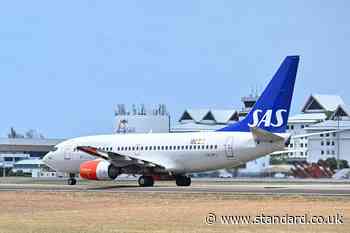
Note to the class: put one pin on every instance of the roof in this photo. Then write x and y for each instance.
(30, 162)
(330, 125)
(307, 118)
(27, 144)
(221, 116)
(342, 111)
(197, 114)
(326, 102)
(29, 141)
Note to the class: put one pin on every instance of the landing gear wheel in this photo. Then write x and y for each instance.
(146, 181)
(182, 180)
(72, 181)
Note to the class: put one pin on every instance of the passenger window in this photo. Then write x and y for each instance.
(203, 147)
(211, 147)
(129, 148)
(216, 146)
(154, 148)
(162, 147)
(186, 147)
(146, 147)
(207, 147)
(170, 147)
(166, 147)
(190, 147)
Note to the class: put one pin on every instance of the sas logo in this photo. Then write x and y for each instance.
(266, 118)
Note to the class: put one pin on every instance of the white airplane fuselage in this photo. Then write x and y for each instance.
(178, 153)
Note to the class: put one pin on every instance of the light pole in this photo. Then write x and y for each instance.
(338, 141)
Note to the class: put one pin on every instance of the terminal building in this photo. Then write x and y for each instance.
(22, 151)
(319, 113)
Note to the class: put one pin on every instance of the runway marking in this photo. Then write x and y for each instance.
(237, 190)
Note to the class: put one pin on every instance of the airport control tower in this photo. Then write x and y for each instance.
(248, 102)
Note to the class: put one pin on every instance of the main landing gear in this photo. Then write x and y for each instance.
(71, 180)
(146, 181)
(182, 180)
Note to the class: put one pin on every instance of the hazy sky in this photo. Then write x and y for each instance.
(65, 65)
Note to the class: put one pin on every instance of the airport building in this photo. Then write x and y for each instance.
(140, 120)
(318, 114)
(14, 150)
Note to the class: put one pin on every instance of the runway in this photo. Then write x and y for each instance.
(226, 188)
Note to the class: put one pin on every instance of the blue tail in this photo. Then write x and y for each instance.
(271, 110)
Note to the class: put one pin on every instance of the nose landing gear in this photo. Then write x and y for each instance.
(71, 180)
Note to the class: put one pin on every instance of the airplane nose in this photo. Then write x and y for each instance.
(46, 159)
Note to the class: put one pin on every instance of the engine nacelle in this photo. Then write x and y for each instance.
(98, 170)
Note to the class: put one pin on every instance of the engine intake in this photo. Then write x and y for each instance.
(98, 170)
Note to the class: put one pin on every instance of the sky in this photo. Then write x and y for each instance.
(65, 65)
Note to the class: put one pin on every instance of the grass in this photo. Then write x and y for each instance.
(53, 212)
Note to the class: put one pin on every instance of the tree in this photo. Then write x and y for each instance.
(343, 164)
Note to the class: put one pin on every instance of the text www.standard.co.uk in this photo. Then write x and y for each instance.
(213, 218)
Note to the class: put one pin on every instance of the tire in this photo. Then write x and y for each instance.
(182, 180)
(146, 181)
(71, 181)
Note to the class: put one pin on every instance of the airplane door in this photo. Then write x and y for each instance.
(137, 149)
(68, 153)
(229, 148)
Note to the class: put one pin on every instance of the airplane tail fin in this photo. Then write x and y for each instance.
(271, 110)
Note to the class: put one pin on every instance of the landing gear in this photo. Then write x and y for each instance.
(182, 180)
(146, 181)
(71, 180)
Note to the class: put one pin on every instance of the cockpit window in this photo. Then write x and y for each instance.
(54, 148)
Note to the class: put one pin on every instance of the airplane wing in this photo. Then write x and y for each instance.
(117, 159)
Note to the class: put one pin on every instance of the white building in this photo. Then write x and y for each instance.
(139, 120)
(318, 108)
(335, 144)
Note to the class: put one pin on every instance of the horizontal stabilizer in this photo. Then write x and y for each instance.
(286, 151)
(265, 136)
(317, 133)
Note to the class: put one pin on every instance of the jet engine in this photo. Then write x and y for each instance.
(98, 170)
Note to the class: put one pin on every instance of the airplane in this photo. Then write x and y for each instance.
(176, 155)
